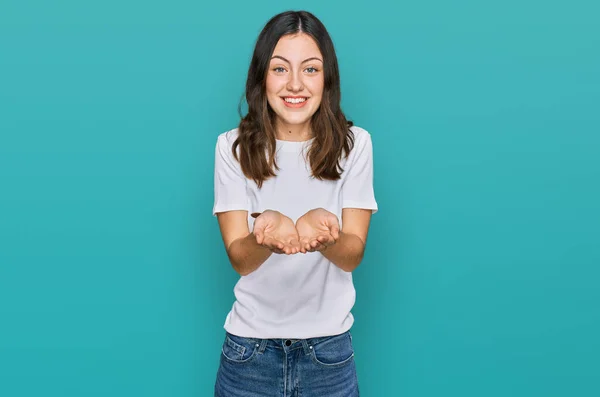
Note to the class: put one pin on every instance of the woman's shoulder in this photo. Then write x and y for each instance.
(225, 142)
(228, 137)
(361, 136)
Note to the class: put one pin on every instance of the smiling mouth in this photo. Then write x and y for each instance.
(295, 100)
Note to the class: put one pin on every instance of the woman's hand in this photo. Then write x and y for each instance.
(276, 232)
(317, 229)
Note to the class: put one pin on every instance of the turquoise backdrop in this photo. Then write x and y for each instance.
(482, 271)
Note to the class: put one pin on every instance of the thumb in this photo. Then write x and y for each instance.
(259, 233)
(334, 226)
(259, 236)
(335, 232)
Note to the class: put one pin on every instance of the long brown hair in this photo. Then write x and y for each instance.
(256, 131)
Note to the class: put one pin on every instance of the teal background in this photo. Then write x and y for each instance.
(481, 276)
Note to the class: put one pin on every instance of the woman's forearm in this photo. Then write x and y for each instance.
(346, 253)
(246, 255)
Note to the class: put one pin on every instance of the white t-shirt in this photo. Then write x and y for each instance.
(303, 295)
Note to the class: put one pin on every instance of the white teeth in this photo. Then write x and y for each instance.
(295, 100)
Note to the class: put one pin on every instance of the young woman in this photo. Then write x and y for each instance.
(294, 198)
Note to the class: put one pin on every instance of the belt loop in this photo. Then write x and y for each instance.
(306, 346)
(262, 346)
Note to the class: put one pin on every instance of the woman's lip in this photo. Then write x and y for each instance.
(294, 105)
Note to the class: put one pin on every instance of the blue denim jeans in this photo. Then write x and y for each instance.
(316, 367)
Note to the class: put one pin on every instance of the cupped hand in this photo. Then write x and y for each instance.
(317, 229)
(276, 232)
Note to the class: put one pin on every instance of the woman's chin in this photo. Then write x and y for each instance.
(294, 121)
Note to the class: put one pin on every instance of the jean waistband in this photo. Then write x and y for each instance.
(289, 344)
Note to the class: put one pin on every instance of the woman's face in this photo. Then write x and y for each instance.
(295, 79)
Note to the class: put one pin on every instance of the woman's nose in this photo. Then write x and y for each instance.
(295, 82)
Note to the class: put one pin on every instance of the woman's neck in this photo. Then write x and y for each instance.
(293, 132)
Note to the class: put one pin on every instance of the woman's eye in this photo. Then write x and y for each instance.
(279, 69)
(311, 70)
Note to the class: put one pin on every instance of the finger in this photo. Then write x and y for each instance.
(335, 232)
(286, 249)
(259, 236)
(277, 251)
(324, 243)
(324, 239)
(272, 243)
(318, 247)
(302, 244)
(295, 245)
(259, 231)
(316, 244)
(290, 250)
(334, 226)
(306, 245)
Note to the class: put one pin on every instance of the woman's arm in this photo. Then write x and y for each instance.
(318, 230)
(273, 233)
(348, 250)
(244, 253)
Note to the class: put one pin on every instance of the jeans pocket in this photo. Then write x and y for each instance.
(334, 351)
(237, 349)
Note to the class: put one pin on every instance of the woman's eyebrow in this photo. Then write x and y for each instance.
(306, 60)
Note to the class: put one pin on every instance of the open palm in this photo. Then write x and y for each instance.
(277, 232)
(317, 229)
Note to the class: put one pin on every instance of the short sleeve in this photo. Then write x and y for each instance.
(229, 180)
(357, 188)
